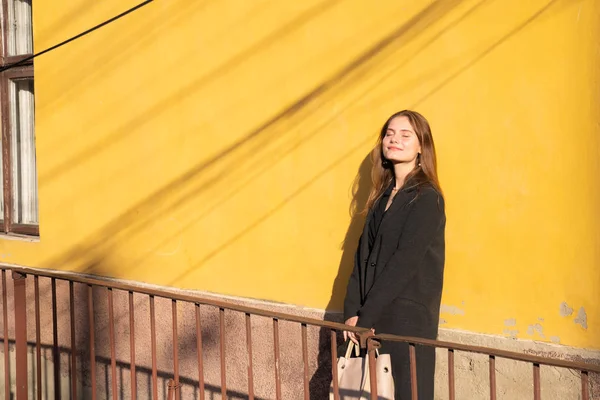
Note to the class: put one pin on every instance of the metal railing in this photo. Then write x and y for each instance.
(21, 277)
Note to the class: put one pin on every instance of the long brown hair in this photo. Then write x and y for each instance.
(425, 171)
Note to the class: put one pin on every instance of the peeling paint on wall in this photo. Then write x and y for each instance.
(537, 328)
(581, 318)
(555, 339)
(512, 333)
(510, 322)
(443, 321)
(451, 310)
(565, 310)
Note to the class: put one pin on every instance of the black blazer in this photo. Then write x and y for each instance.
(396, 285)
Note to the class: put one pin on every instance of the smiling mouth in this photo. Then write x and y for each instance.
(394, 148)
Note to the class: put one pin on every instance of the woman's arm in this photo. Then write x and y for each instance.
(352, 300)
(423, 222)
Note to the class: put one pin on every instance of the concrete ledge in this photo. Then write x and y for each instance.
(514, 380)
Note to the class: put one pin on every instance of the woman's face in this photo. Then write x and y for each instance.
(400, 143)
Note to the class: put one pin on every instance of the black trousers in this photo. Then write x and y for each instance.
(400, 358)
(406, 318)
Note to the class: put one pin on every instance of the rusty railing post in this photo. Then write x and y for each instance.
(334, 371)
(366, 341)
(20, 297)
(585, 386)
(173, 389)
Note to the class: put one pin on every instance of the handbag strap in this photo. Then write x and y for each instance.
(352, 345)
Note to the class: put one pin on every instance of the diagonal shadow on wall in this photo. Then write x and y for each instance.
(92, 253)
(121, 132)
(360, 191)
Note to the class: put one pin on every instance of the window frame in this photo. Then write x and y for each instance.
(23, 71)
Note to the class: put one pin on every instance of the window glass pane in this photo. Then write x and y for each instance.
(23, 166)
(20, 32)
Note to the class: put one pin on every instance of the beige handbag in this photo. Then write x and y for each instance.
(353, 376)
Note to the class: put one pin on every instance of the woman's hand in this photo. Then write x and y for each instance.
(351, 322)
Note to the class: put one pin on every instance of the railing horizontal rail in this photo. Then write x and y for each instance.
(553, 362)
(173, 295)
(368, 339)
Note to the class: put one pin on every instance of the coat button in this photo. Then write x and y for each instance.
(373, 264)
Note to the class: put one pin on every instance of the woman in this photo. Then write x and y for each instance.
(396, 285)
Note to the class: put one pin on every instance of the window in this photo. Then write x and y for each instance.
(19, 194)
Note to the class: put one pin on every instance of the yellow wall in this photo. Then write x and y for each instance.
(213, 145)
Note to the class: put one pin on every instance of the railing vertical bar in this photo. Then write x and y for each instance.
(199, 352)
(334, 372)
(92, 339)
(537, 394)
(113, 352)
(55, 350)
(413, 372)
(249, 347)
(20, 307)
(171, 389)
(305, 360)
(585, 386)
(372, 369)
(451, 387)
(132, 346)
(6, 353)
(175, 349)
(277, 361)
(492, 366)
(38, 339)
(73, 339)
(153, 345)
(222, 349)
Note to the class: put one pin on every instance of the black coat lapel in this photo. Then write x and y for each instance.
(400, 202)
(393, 221)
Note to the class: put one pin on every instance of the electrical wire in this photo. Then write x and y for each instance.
(56, 46)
